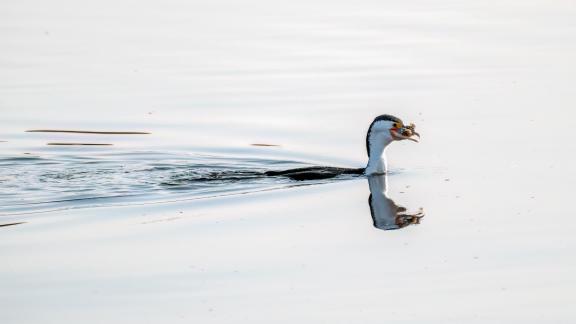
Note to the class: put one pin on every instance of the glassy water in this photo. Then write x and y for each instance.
(225, 90)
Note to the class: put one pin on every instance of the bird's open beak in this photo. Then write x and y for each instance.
(405, 133)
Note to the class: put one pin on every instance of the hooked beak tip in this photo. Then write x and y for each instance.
(398, 136)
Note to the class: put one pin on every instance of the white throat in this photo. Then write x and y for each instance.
(379, 138)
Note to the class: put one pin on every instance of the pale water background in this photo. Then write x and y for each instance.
(489, 85)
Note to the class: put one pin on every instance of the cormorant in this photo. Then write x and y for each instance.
(384, 130)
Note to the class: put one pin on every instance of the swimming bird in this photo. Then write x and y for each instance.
(384, 130)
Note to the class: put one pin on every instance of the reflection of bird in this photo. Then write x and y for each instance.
(386, 215)
(384, 130)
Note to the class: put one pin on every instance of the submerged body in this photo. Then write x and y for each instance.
(315, 173)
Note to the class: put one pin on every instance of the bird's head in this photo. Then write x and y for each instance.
(387, 128)
(384, 130)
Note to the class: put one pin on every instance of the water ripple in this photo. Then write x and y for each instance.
(41, 183)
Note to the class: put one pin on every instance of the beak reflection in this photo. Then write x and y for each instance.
(386, 214)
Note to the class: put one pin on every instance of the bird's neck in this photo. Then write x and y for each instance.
(377, 161)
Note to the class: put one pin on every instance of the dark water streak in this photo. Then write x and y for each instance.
(80, 144)
(84, 132)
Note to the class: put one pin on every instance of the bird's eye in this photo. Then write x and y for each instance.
(397, 125)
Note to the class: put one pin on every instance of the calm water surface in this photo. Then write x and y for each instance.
(133, 232)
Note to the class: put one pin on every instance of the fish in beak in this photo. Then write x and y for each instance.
(405, 133)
